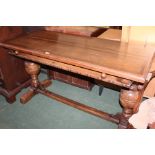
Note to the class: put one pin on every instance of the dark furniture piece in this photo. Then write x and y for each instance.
(121, 64)
(65, 76)
(13, 76)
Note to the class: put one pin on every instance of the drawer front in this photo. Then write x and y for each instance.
(62, 77)
(80, 82)
(70, 78)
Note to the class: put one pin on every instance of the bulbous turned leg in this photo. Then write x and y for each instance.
(33, 70)
(130, 101)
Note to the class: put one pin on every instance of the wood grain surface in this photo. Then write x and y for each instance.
(105, 56)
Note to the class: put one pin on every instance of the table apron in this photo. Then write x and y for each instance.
(79, 70)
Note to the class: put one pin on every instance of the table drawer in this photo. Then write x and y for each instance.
(71, 78)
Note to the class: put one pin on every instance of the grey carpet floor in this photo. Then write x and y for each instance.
(44, 113)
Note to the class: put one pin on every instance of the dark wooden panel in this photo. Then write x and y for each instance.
(71, 78)
(12, 72)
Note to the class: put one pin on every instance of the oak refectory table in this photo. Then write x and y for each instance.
(121, 64)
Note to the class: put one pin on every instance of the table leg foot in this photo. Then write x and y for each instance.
(27, 96)
(123, 124)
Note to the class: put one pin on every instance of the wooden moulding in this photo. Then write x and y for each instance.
(75, 69)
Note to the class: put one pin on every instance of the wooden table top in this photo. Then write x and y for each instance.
(132, 62)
